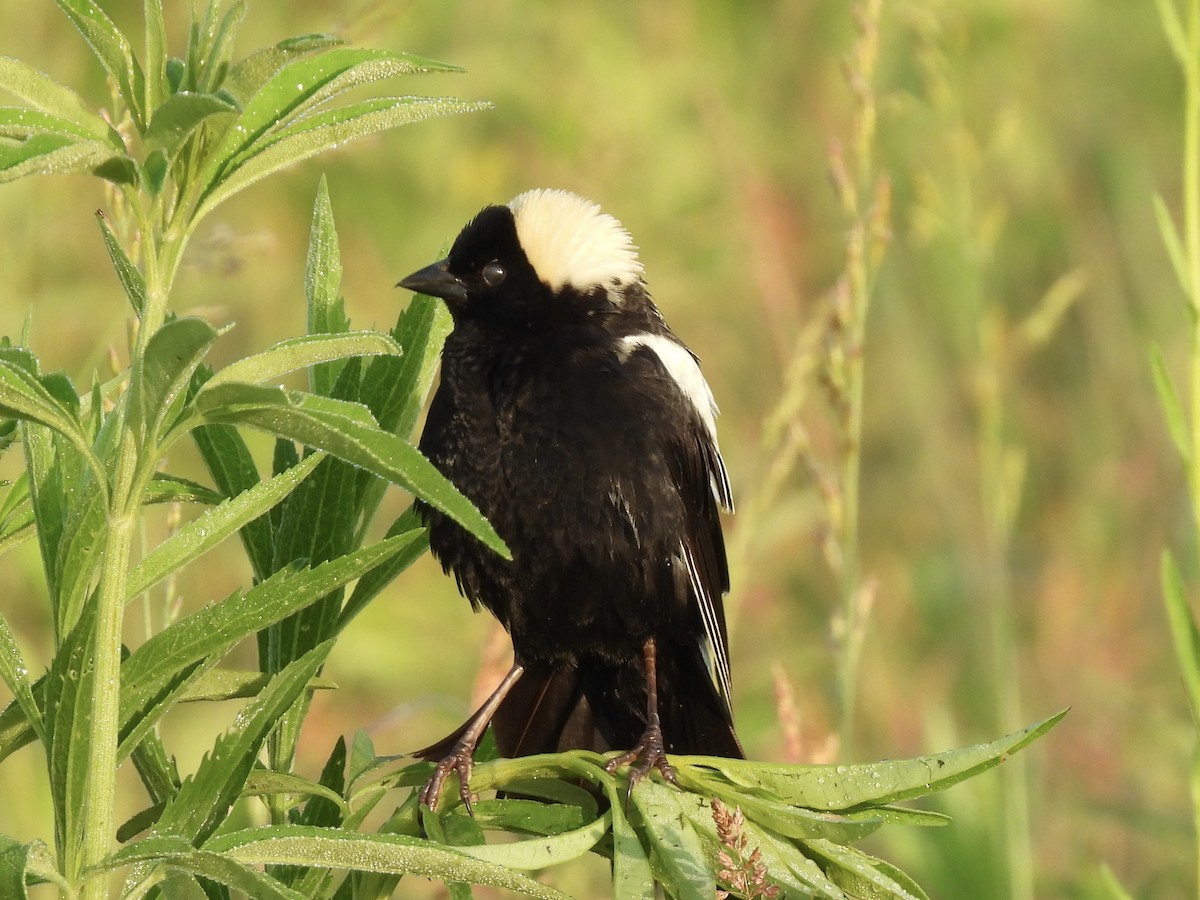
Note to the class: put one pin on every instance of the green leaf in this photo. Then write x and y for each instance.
(540, 852)
(167, 488)
(68, 701)
(137, 723)
(237, 684)
(20, 863)
(157, 858)
(221, 47)
(847, 786)
(1173, 29)
(23, 396)
(370, 585)
(677, 856)
(1168, 397)
(43, 93)
(1184, 634)
(156, 54)
(347, 431)
(204, 799)
(180, 115)
(1171, 239)
(298, 353)
(212, 628)
(20, 122)
(858, 874)
(247, 77)
(112, 50)
(264, 781)
(631, 876)
(203, 533)
(129, 275)
(322, 279)
(382, 853)
(51, 154)
(16, 675)
(232, 466)
(324, 131)
(172, 355)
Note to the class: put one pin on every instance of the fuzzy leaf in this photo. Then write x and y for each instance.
(540, 852)
(172, 355)
(381, 576)
(347, 431)
(264, 781)
(129, 275)
(51, 154)
(219, 625)
(204, 799)
(24, 396)
(235, 684)
(156, 858)
(846, 786)
(19, 122)
(167, 488)
(247, 76)
(156, 54)
(324, 131)
(112, 49)
(677, 855)
(43, 93)
(16, 675)
(322, 279)
(383, 853)
(182, 114)
(298, 353)
(203, 533)
(857, 873)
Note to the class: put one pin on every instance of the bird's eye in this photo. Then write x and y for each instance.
(493, 273)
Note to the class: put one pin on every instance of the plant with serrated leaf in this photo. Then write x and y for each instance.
(182, 135)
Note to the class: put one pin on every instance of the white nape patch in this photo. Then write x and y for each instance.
(569, 241)
(681, 365)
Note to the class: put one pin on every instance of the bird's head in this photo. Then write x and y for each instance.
(545, 250)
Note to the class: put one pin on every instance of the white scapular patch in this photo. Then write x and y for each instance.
(681, 365)
(569, 241)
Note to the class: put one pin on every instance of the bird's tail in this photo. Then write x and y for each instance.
(602, 706)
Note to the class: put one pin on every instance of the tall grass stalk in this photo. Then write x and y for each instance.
(1183, 37)
(865, 194)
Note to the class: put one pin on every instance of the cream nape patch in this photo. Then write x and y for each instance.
(569, 241)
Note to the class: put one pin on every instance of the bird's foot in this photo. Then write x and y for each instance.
(460, 760)
(648, 753)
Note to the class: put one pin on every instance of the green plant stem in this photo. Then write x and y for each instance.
(134, 467)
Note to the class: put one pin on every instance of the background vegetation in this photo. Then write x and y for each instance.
(1017, 481)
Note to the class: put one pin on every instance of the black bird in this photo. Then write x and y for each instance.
(582, 428)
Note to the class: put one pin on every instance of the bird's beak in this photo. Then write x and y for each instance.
(436, 281)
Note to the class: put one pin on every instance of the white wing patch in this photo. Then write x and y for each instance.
(569, 241)
(682, 366)
(713, 646)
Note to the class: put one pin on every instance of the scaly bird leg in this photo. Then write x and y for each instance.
(461, 758)
(650, 750)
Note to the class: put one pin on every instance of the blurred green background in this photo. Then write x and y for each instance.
(1006, 369)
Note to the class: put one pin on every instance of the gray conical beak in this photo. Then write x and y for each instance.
(436, 281)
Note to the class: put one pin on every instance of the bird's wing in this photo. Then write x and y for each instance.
(702, 484)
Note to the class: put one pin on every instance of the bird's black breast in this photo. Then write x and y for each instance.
(566, 448)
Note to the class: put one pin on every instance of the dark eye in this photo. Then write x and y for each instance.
(493, 273)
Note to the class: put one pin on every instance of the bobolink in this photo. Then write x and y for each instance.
(582, 428)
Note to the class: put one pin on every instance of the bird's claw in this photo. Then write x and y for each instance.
(460, 761)
(648, 753)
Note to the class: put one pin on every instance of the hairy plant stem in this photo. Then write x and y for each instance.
(133, 468)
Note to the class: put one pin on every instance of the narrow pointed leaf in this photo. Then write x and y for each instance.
(204, 799)
(1184, 633)
(377, 579)
(16, 675)
(349, 432)
(51, 154)
(538, 853)
(264, 781)
(235, 684)
(172, 355)
(322, 280)
(247, 76)
(167, 488)
(856, 872)
(221, 46)
(299, 353)
(1172, 409)
(150, 667)
(846, 786)
(203, 533)
(182, 114)
(383, 853)
(20, 122)
(156, 54)
(129, 275)
(159, 858)
(325, 131)
(112, 50)
(42, 92)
